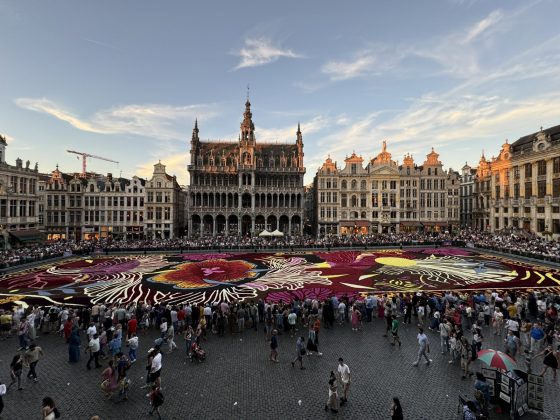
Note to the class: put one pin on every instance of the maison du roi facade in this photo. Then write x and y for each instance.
(245, 186)
(383, 196)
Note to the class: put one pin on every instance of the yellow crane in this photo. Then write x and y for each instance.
(84, 160)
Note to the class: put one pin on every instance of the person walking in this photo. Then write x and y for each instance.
(74, 343)
(94, 348)
(332, 402)
(537, 337)
(109, 380)
(132, 347)
(512, 344)
(300, 352)
(465, 352)
(444, 330)
(344, 375)
(424, 347)
(369, 307)
(155, 369)
(395, 331)
(16, 368)
(170, 339)
(274, 346)
(356, 318)
(550, 360)
(313, 337)
(188, 335)
(32, 357)
(396, 409)
(156, 400)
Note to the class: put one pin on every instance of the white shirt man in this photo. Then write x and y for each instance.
(91, 331)
(156, 363)
(94, 345)
(341, 312)
(512, 325)
(344, 375)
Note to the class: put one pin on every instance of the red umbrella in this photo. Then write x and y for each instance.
(497, 359)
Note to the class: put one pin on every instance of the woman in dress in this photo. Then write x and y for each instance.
(74, 346)
(355, 318)
(109, 380)
(550, 361)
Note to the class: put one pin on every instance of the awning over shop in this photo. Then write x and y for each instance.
(29, 235)
(352, 223)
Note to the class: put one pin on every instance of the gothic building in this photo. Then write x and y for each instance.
(245, 187)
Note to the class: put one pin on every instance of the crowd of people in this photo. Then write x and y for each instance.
(111, 334)
(518, 242)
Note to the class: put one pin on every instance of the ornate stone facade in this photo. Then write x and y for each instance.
(384, 196)
(245, 187)
(96, 207)
(165, 205)
(467, 196)
(18, 201)
(525, 184)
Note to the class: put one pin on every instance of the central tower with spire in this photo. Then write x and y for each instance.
(247, 137)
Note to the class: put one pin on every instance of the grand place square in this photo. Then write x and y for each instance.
(290, 210)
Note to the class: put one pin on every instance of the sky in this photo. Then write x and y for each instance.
(126, 79)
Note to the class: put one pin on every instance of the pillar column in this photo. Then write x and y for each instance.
(227, 225)
(252, 225)
(289, 225)
(214, 226)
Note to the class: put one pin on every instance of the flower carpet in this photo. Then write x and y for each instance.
(210, 277)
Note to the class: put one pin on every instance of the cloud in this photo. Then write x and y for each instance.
(343, 70)
(159, 121)
(261, 51)
(484, 25)
(455, 53)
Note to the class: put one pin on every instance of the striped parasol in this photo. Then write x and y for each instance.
(497, 359)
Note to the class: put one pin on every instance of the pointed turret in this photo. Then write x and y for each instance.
(195, 131)
(194, 142)
(247, 126)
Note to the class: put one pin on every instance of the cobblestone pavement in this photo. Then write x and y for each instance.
(238, 382)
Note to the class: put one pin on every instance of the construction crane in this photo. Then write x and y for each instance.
(84, 160)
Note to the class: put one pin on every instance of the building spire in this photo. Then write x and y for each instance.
(247, 126)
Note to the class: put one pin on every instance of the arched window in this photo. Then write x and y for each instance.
(344, 185)
(354, 201)
(354, 184)
(363, 185)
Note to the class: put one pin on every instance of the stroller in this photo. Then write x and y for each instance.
(197, 353)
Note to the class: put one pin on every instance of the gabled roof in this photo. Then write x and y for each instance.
(553, 132)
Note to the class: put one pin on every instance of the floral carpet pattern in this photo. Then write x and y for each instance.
(211, 277)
